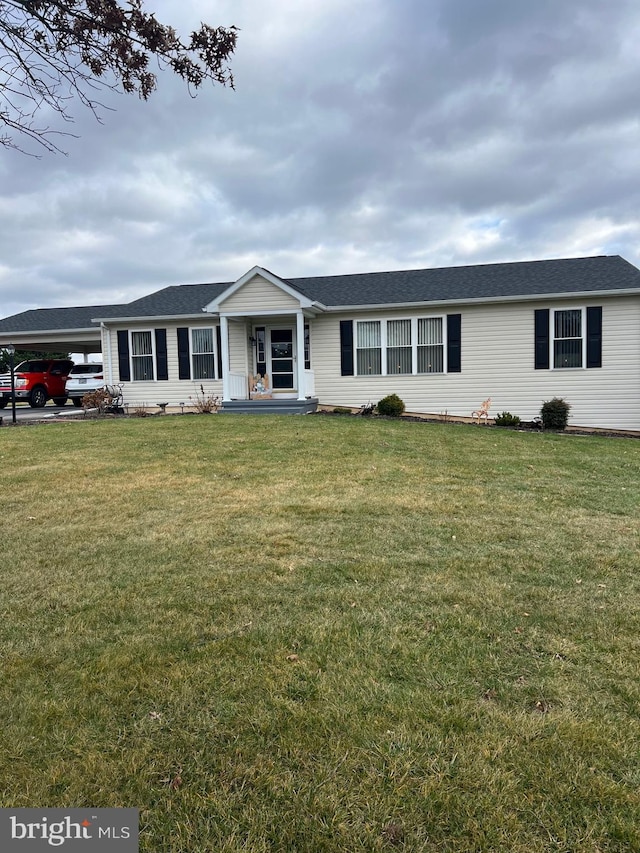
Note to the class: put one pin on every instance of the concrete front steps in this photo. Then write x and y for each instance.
(269, 407)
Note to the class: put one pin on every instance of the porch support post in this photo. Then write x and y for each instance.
(224, 340)
(105, 343)
(300, 354)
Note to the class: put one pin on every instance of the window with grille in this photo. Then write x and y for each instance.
(203, 356)
(410, 346)
(399, 354)
(369, 348)
(142, 356)
(430, 345)
(568, 338)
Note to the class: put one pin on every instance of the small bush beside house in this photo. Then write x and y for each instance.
(555, 413)
(391, 405)
(507, 419)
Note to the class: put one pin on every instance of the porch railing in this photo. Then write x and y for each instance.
(309, 383)
(238, 386)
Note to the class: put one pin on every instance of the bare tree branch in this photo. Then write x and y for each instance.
(55, 51)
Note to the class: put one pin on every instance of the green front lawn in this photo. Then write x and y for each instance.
(323, 633)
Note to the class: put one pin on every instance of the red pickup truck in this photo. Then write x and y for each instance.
(36, 381)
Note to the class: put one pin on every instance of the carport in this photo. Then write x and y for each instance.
(68, 330)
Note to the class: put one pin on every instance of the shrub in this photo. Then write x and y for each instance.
(555, 413)
(97, 399)
(205, 404)
(506, 419)
(341, 410)
(392, 406)
(103, 400)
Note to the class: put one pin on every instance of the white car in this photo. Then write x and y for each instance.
(83, 379)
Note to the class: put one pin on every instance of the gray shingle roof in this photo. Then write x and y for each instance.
(181, 299)
(54, 319)
(488, 281)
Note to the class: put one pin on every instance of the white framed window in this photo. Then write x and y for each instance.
(203, 353)
(568, 342)
(368, 347)
(412, 345)
(142, 356)
(430, 345)
(399, 352)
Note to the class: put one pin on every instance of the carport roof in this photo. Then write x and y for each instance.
(57, 319)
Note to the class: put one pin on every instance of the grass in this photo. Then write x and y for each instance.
(323, 634)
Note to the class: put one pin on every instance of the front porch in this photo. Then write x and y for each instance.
(266, 359)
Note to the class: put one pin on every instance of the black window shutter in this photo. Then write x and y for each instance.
(219, 350)
(541, 332)
(184, 362)
(123, 356)
(161, 354)
(346, 347)
(454, 343)
(594, 337)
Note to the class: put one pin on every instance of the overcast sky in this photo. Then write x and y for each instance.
(367, 135)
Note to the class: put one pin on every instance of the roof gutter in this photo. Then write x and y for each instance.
(149, 319)
(35, 332)
(164, 317)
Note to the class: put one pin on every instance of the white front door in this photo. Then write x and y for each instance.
(282, 358)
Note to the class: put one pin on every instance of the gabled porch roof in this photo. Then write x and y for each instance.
(217, 305)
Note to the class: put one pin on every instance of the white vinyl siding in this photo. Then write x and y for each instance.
(239, 347)
(141, 353)
(258, 296)
(498, 362)
(174, 390)
(203, 354)
(497, 358)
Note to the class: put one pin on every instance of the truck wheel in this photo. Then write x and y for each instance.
(60, 401)
(3, 402)
(77, 401)
(38, 398)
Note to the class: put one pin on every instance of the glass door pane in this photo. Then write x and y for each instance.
(282, 359)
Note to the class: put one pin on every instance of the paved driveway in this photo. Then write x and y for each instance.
(26, 413)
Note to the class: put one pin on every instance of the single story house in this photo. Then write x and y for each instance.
(442, 339)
